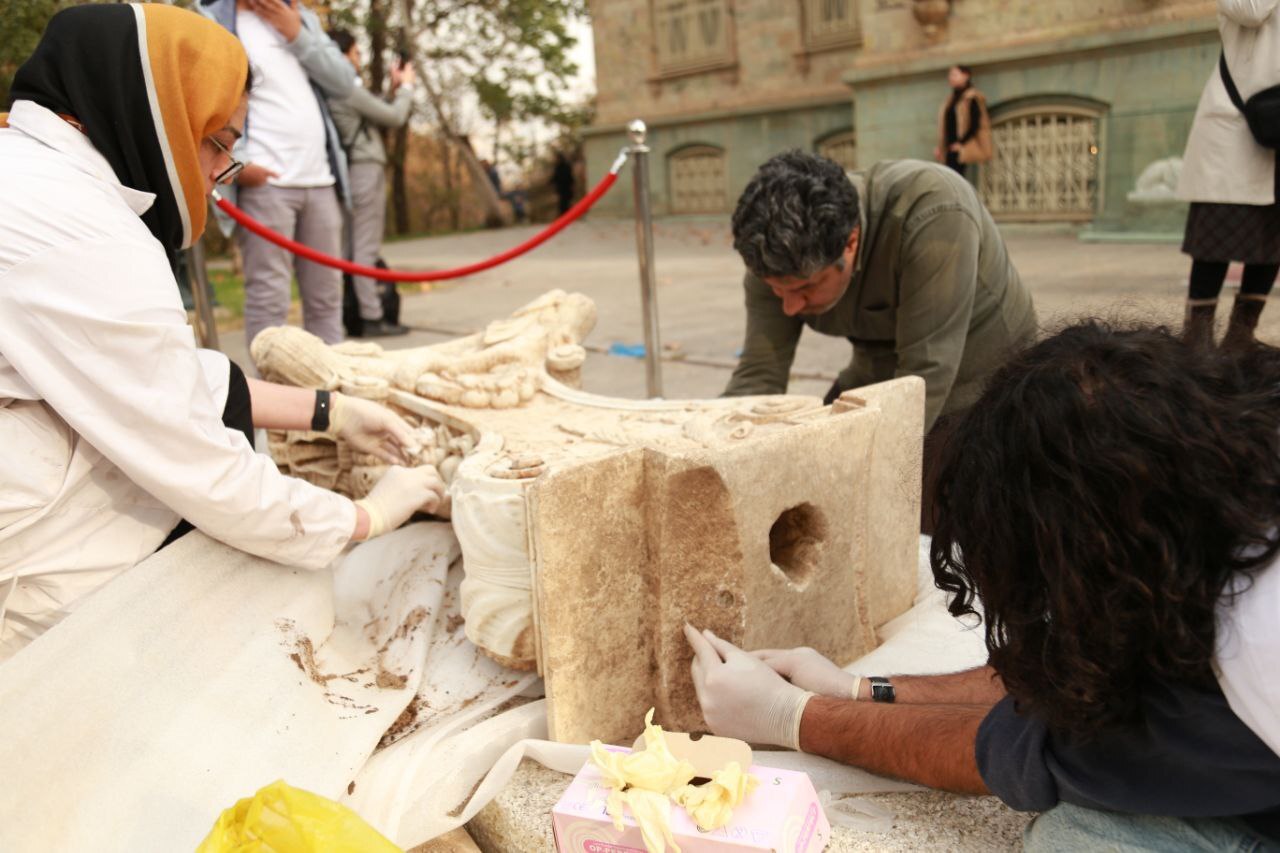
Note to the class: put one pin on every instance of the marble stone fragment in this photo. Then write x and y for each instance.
(592, 528)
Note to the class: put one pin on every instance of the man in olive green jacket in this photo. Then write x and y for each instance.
(902, 259)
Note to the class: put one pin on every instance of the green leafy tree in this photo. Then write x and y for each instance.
(512, 54)
(22, 22)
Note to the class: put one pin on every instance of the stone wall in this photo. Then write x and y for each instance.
(747, 140)
(1144, 94)
(1136, 67)
(764, 63)
(893, 33)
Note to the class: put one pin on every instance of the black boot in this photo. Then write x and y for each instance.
(1197, 324)
(1244, 319)
(382, 329)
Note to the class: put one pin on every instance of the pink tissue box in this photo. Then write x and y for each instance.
(781, 814)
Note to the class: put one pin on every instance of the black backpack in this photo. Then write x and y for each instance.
(1261, 111)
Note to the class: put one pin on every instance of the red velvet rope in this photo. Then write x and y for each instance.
(433, 275)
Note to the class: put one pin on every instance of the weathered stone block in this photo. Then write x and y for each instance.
(592, 528)
(779, 540)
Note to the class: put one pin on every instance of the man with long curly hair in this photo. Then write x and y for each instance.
(1110, 510)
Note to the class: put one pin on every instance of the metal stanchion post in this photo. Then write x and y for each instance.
(644, 250)
(202, 295)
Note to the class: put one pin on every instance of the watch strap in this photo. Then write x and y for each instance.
(881, 689)
(320, 416)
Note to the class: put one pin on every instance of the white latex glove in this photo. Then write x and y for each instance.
(807, 669)
(370, 428)
(399, 494)
(741, 696)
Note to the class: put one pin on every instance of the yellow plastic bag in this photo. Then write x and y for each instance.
(282, 819)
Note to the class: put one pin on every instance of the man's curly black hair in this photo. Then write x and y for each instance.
(795, 216)
(1096, 501)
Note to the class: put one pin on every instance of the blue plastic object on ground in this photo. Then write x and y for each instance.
(627, 350)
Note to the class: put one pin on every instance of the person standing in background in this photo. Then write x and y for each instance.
(359, 117)
(1230, 180)
(964, 128)
(562, 180)
(295, 178)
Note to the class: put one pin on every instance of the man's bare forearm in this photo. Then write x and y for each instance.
(980, 686)
(931, 745)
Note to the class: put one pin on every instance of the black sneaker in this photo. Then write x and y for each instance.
(382, 329)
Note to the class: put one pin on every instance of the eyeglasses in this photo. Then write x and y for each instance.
(228, 174)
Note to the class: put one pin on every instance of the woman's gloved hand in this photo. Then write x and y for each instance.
(741, 696)
(370, 428)
(807, 669)
(399, 494)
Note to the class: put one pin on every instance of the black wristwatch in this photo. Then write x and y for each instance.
(881, 689)
(320, 417)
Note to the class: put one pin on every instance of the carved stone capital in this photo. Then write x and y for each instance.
(932, 15)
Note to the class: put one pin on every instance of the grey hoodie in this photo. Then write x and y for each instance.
(358, 117)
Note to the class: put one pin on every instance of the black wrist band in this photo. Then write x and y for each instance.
(320, 417)
(881, 689)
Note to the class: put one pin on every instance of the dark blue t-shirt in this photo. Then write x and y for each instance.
(1191, 757)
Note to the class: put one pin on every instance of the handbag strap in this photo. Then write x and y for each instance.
(1232, 92)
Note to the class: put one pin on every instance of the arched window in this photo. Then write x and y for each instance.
(1046, 164)
(696, 180)
(841, 147)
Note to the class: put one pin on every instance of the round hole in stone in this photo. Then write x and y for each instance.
(795, 541)
(725, 598)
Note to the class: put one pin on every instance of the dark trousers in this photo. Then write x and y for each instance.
(236, 414)
(1207, 278)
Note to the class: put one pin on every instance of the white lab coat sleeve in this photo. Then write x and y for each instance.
(216, 368)
(1248, 13)
(97, 329)
(1248, 645)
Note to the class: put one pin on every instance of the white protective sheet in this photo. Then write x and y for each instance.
(174, 691)
(204, 673)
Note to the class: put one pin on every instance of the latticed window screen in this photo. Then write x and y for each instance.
(1045, 166)
(843, 148)
(697, 180)
(691, 33)
(830, 22)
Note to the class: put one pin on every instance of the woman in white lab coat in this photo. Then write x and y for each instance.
(1231, 180)
(113, 425)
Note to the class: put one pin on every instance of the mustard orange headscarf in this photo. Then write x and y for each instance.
(148, 82)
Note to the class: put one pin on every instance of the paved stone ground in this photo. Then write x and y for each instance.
(700, 299)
